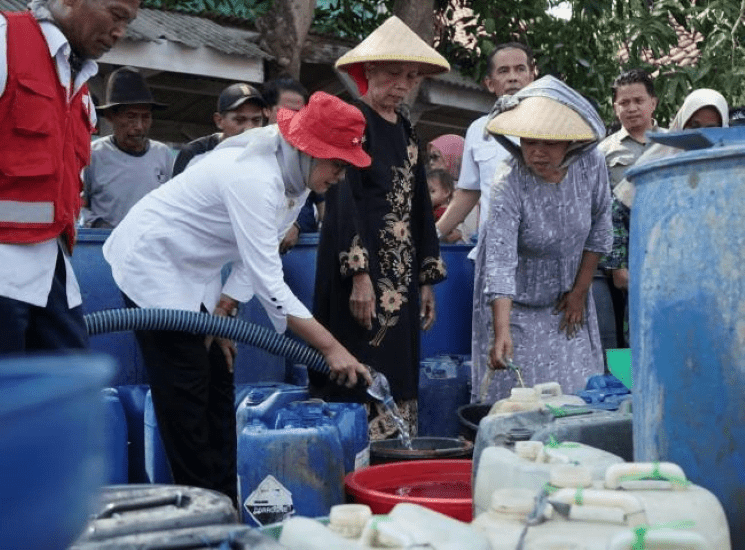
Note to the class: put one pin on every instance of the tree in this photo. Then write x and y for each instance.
(583, 50)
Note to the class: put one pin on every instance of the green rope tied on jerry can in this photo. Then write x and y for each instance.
(656, 475)
(641, 531)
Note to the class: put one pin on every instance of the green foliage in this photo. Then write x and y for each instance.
(582, 50)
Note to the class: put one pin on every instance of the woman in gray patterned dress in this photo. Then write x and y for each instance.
(548, 226)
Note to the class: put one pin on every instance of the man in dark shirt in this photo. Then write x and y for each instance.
(239, 107)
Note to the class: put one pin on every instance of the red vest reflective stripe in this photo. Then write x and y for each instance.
(44, 141)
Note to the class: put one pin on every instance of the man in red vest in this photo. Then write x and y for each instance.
(46, 119)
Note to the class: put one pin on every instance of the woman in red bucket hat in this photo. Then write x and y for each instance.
(233, 206)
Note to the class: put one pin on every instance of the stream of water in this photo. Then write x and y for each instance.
(381, 390)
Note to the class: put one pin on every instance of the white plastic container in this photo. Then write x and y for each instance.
(529, 466)
(677, 515)
(536, 398)
(407, 525)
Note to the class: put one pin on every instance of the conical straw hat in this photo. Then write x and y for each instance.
(392, 41)
(542, 118)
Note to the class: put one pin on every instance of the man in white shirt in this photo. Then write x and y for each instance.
(46, 118)
(126, 165)
(510, 68)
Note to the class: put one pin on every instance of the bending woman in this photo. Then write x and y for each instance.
(233, 206)
(548, 225)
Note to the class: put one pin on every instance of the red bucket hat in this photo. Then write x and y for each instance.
(326, 128)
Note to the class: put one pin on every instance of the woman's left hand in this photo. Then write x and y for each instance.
(572, 304)
(427, 304)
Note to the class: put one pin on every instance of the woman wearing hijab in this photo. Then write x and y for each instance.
(234, 206)
(702, 108)
(549, 223)
(378, 253)
(445, 153)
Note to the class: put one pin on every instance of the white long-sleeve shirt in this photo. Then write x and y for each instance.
(27, 270)
(232, 206)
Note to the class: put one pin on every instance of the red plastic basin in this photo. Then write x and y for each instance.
(441, 485)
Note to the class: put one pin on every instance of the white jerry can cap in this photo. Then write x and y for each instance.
(570, 475)
(349, 519)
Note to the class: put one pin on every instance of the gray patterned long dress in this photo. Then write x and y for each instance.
(534, 240)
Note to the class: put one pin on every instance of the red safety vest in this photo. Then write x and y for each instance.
(45, 141)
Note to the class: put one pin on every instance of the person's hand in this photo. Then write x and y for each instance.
(572, 305)
(290, 238)
(501, 350)
(362, 300)
(427, 306)
(227, 346)
(345, 369)
(621, 278)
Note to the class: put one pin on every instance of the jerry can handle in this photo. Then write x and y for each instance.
(645, 473)
(548, 389)
(632, 509)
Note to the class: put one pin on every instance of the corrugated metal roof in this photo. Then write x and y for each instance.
(194, 32)
(190, 30)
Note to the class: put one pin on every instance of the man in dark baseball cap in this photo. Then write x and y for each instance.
(239, 107)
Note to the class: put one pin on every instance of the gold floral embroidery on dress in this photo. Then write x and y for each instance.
(433, 270)
(355, 260)
(396, 253)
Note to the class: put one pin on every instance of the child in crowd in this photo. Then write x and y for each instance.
(441, 187)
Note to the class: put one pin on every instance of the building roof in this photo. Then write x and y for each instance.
(188, 59)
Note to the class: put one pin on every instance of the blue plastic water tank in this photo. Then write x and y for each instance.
(687, 304)
(297, 468)
(132, 398)
(52, 446)
(116, 438)
(444, 387)
(100, 292)
(451, 332)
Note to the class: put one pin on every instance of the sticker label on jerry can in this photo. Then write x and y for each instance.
(270, 502)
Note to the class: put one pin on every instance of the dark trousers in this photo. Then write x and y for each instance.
(193, 398)
(25, 327)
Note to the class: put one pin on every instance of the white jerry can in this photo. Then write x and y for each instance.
(353, 527)
(539, 397)
(529, 466)
(637, 503)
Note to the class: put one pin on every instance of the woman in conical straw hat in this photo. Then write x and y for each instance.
(378, 253)
(549, 223)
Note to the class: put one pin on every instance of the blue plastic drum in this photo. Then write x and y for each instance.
(53, 455)
(687, 313)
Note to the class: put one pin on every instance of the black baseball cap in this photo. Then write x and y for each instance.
(236, 95)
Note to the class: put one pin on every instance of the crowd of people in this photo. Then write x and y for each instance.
(536, 183)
